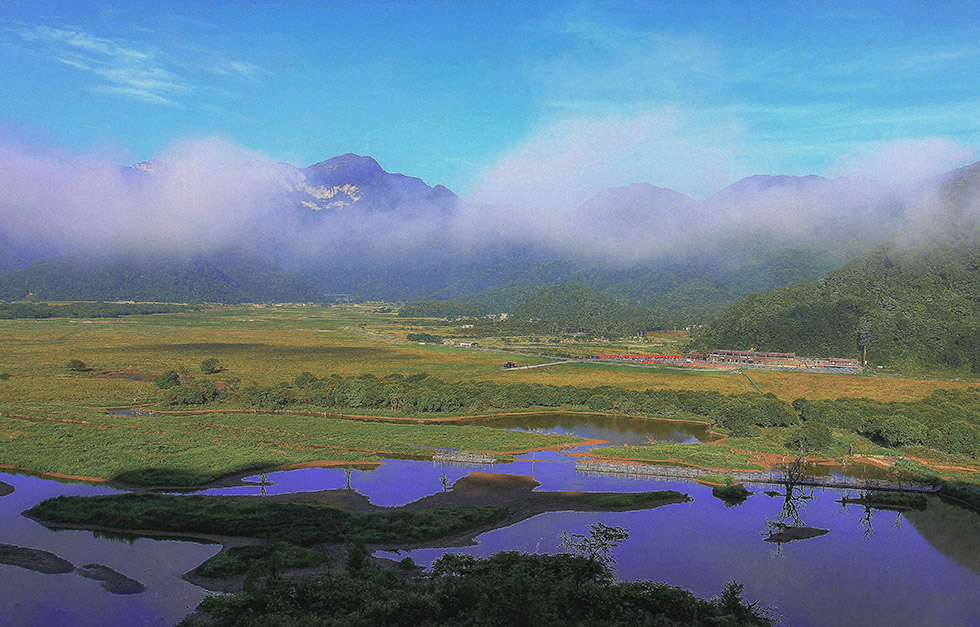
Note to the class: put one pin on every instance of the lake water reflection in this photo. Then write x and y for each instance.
(617, 430)
(30, 598)
(873, 567)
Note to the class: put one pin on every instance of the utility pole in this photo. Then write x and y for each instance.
(864, 340)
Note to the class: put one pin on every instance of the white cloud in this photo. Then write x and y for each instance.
(903, 160)
(569, 159)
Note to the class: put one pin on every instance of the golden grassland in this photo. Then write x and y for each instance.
(793, 385)
(268, 345)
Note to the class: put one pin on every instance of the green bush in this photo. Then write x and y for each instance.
(167, 380)
(76, 365)
(812, 437)
(210, 366)
(276, 556)
(197, 393)
(304, 379)
(733, 492)
(508, 588)
(426, 338)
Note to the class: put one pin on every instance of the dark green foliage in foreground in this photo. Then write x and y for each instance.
(507, 588)
(919, 307)
(239, 560)
(450, 309)
(427, 338)
(13, 311)
(303, 524)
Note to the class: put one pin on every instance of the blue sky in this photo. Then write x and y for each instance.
(527, 102)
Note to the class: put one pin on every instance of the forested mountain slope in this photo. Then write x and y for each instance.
(921, 306)
(571, 308)
(228, 276)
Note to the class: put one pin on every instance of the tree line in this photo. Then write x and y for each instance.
(35, 311)
(947, 421)
(449, 309)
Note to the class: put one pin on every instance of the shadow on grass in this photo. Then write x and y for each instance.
(224, 348)
(178, 479)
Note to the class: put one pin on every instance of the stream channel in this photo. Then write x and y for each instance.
(874, 567)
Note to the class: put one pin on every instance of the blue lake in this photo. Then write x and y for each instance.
(874, 567)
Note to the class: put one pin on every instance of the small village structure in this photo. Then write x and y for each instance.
(741, 359)
(463, 344)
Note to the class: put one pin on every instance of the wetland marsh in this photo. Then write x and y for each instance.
(109, 425)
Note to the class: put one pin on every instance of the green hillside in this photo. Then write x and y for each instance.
(228, 276)
(921, 306)
(571, 308)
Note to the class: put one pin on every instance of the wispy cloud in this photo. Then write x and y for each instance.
(121, 67)
(229, 67)
(725, 108)
(133, 70)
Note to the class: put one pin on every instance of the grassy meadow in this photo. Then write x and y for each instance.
(54, 420)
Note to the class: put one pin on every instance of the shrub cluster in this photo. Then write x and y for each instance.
(948, 421)
(427, 338)
(508, 588)
(197, 393)
(420, 393)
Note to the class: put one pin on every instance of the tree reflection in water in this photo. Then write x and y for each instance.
(789, 525)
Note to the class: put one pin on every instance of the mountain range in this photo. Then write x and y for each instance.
(345, 226)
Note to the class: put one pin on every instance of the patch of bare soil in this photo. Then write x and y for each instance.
(34, 559)
(113, 581)
(789, 534)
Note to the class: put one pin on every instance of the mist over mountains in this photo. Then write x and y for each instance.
(347, 226)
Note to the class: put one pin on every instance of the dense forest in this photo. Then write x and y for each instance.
(914, 307)
(21, 310)
(228, 276)
(449, 309)
(561, 308)
(571, 308)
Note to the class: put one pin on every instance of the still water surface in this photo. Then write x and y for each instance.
(29, 598)
(873, 568)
